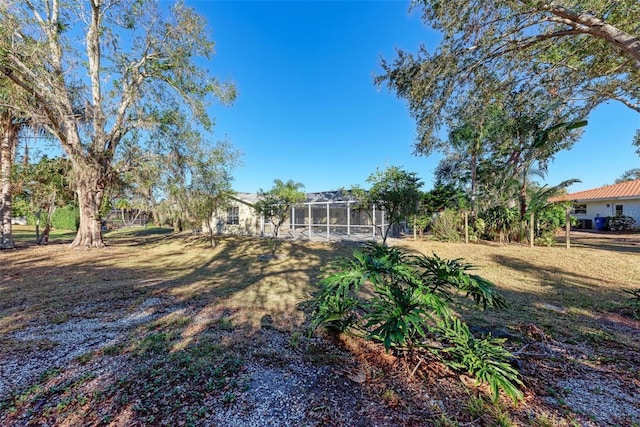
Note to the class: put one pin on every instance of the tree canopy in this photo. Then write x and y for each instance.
(275, 204)
(629, 175)
(140, 66)
(573, 53)
(395, 191)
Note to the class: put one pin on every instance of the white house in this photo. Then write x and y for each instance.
(610, 200)
(328, 215)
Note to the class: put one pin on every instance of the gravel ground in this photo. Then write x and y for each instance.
(69, 340)
(287, 390)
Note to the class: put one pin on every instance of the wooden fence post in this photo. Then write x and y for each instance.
(531, 230)
(466, 227)
(568, 228)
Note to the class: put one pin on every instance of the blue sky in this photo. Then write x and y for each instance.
(307, 108)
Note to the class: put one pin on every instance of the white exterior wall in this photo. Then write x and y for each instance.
(605, 208)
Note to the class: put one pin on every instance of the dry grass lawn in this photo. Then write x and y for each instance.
(162, 329)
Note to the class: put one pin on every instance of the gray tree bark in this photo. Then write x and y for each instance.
(9, 135)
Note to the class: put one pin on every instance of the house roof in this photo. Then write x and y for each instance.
(329, 196)
(624, 190)
(317, 197)
(246, 197)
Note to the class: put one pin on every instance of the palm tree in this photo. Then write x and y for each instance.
(539, 201)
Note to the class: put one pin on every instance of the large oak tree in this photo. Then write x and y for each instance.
(100, 69)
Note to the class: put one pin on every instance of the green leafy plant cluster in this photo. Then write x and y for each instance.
(547, 221)
(448, 226)
(501, 222)
(477, 229)
(409, 309)
(620, 223)
(66, 218)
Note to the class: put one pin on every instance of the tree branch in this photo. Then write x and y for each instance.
(627, 43)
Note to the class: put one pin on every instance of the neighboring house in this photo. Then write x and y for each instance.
(328, 215)
(611, 200)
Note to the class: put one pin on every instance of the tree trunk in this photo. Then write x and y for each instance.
(466, 227)
(523, 198)
(90, 189)
(6, 149)
(212, 231)
(567, 226)
(532, 229)
(38, 214)
(44, 238)
(474, 179)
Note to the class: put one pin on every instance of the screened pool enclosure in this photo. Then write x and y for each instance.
(330, 220)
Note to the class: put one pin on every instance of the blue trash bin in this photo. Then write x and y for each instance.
(600, 223)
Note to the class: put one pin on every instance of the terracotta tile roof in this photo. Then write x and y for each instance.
(627, 189)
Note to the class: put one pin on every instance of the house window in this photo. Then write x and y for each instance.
(619, 210)
(580, 208)
(233, 215)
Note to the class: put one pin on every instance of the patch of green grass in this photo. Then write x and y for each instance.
(114, 350)
(225, 323)
(633, 301)
(50, 373)
(544, 420)
(476, 407)
(228, 398)
(501, 416)
(294, 340)
(156, 342)
(60, 396)
(27, 234)
(445, 421)
(85, 358)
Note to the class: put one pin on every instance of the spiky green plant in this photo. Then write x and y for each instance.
(484, 358)
(409, 307)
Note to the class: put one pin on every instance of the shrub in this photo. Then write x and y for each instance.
(479, 227)
(546, 240)
(448, 226)
(501, 222)
(20, 208)
(66, 218)
(620, 223)
(410, 307)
